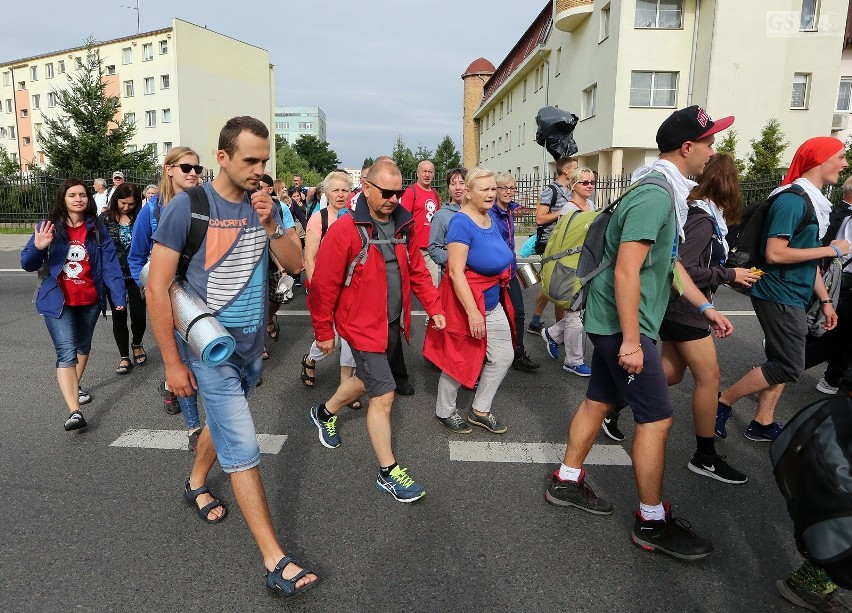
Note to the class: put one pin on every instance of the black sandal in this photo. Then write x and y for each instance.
(191, 495)
(141, 357)
(123, 369)
(273, 329)
(278, 585)
(264, 354)
(356, 406)
(308, 380)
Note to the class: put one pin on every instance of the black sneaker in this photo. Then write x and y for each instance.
(75, 421)
(812, 601)
(610, 425)
(525, 363)
(170, 400)
(715, 467)
(193, 439)
(579, 494)
(404, 388)
(535, 328)
(454, 423)
(671, 536)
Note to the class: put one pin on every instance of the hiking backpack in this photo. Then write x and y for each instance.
(540, 243)
(811, 461)
(366, 241)
(831, 270)
(199, 220)
(745, 248)
(575, 251)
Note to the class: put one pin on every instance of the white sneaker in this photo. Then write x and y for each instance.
(824, 387)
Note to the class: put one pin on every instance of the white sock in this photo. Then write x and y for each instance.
(652, 512)
(566, 473)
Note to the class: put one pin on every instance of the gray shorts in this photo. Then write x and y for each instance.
(784, 328)
(374, 368)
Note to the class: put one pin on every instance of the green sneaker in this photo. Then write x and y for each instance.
(399, 485)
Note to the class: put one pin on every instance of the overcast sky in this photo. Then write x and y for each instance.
(378, 68)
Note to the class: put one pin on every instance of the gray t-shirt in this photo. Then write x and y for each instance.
(385, 231)
(563, 196)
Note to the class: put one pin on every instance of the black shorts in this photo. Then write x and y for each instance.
(677, 332)
(647, 393)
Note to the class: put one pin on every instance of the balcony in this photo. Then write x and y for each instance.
(571, 13)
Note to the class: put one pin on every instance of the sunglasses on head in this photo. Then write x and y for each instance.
(186, 168)
(388, 193)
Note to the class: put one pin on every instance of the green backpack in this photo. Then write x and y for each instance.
(559, 280)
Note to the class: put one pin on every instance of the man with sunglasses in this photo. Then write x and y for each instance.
(364, 272)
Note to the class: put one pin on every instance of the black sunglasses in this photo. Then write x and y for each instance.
(185, 168)
(387, 193)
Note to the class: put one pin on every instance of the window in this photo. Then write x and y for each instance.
(52, 99)
(810, 15)
(131, 148)
(8, 105)
(799, 99)
(147, 52)
(164, 81)
(500, 145)
(37, 127)
(502, 105)
(128, 89)
(604, 29)
(7, 78)
(588, 102)
(127, 55)
(22, 85)
(78, 62)
(150, 119)
(654, 89)
(164, 47)
(279, 125)
(110, 69)
(12, 132)
(306, 125)
(844, 95)
(24, 113)
(48, 70)
(60, 66)
(558, 61)
(525, 90)
(130, 118)
(2, 132)
(36, 101)
(167, 146)
(149, 85)
(27, 140)
(167, 115)
(33, 73)
(509, 103)
(659, 14)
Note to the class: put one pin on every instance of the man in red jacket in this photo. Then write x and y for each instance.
(361, 285)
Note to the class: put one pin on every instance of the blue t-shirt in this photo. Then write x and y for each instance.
(229, 271)
(488, 255)
(286, 217)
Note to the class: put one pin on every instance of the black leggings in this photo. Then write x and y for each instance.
(136, 307)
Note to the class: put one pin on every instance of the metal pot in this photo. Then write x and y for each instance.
(528, 274)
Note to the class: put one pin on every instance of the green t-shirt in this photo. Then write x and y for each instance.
(646, 214)
(790, 284)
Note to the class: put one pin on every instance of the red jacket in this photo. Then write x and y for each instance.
(453, 349)
(360, 311)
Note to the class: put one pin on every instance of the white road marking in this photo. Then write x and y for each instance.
(176, 439)
(533, 453)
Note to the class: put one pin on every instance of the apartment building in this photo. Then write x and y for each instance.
(178, 84)
(291, 122)
(623, 66)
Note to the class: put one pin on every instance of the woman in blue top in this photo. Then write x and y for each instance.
(478, 261)
(78, 266)
(123, 207)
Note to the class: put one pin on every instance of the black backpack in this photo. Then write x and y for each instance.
(540, 243)
(745, 238)
(200, 218)
(811, 460)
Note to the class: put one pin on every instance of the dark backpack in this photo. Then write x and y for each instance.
(200, 212)
(366, 241)
(811, 461)
(745, 239)
(540, 243)
(591, 261)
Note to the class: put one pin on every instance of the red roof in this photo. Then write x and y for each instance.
(535, 35)
(480, 66)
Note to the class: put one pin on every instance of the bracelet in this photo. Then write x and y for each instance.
(828, 301)
(621, 355)
(836, 250)
(704, 307)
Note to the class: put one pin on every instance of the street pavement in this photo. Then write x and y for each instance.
(89, 526)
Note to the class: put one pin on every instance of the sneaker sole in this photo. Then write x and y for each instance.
(468, 431)
(546, 340)
(829, 392)
(758, 440)
(481, 425)
(319, 429)
(574, 372)
(382, 488)
(787, 593)
(76, 426)
(612, 436)
(524, 368)
(707, 473)
(654, 548)
(564, 503)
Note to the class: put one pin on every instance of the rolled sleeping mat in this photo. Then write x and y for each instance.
(196, 323)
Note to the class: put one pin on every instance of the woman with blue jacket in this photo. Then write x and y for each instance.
(78, 265)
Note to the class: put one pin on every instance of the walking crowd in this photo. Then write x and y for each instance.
(360, 254)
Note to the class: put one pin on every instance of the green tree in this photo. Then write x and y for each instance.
(765, 159)
(404, 158)
(316, 153)
(447, 156)
(288, 163)
(729, 145)
(423, 153)
(9, 168)
(367, 163)
(85, 138)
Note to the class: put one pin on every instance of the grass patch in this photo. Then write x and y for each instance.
(21, 230)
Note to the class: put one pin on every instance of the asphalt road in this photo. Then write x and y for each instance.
(92, 527)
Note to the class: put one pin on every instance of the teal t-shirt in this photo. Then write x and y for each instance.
(790, 284)
(644, 215)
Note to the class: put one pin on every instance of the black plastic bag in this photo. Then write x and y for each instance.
(554, 133)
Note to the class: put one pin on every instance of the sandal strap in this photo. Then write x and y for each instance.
(205, 510)
(196, 493)
(282, 563)
(134, 346)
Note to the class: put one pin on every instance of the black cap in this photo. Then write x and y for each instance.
(689, 124)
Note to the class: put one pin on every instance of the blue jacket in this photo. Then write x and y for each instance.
(141, 242)
(106, 271)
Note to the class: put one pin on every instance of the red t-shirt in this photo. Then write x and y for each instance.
(422, 204)
(353, 197)
(76, 280)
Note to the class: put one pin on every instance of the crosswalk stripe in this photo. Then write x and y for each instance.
(141, 438)
(533, 453)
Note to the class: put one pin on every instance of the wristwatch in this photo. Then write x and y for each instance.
(279, 232)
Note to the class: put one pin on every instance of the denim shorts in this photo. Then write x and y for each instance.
(224, 390)
(71, 332)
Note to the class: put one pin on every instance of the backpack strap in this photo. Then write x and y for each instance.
(324, 220)
(366, 241)
(200, 217)
(569, 251)
(809, 207)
